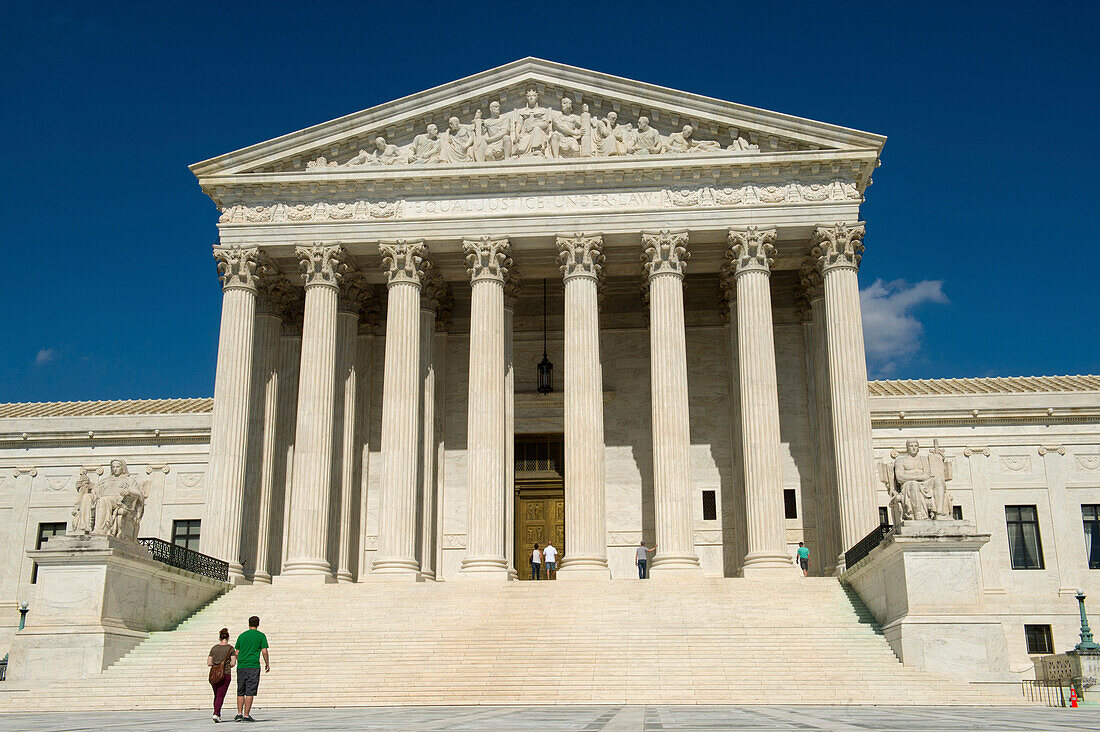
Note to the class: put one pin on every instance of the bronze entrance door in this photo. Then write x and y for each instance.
(540, 497)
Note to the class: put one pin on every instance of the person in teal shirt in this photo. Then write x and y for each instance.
(250, 645)
(804, 559)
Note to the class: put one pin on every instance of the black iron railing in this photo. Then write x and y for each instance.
(4, 668)
(863, 547)
(1050, 693)
(188, 559)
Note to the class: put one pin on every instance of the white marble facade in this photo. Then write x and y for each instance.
(372, 268)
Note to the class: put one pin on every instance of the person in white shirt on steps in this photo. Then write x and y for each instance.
(536, 562)
(550, 554)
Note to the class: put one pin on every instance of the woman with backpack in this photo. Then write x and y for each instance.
(220, 661)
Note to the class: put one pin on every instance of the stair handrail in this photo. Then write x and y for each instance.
(190, 560)
(863, 547)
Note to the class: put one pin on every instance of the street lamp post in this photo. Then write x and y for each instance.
(24, 609)
(1087, 643)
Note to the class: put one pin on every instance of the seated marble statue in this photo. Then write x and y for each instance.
(531, 128)
(567, 140)
(609, 137)
(119, 503)
(494, 140)
(645, 140)
(918, 485)
(426, 148)
(458, 142)
(684, 142)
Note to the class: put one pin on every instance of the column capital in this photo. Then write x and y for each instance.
(813, 284)
(355, 293)
(323, 265)
(511, 288)
(581, 255)
(751, 250)
(435, 295)
(241, 267)
(403, 261)
(487, 258)
(727, 292)
(276, 295)
(665, 253)
(839, 246)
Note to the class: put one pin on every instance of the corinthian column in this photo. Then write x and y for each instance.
(581, 258)
(354, 294)
(751, 253)
(813, 288)
(239, 269)
(487, 261)
(839, 249)
(307, 551)
(275, 296)
(403, 263)
(433, 300)
(665, 258)
(511, 295)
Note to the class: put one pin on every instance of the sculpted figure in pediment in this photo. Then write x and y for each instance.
(458, 141)
(685, 142)
(381, 153)
(740, 144)
(531, 128)
(645, 140)
(322, 162)
(493, 139)
(426, 147)
(570, 137)
(609, 136)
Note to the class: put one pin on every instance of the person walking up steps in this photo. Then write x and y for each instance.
(536, 562)
(804, 559)
(220, 661)
(250, 645)
(641, 558)
(550, 556)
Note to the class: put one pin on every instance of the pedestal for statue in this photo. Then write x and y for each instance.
(96, 598)
(924, 586)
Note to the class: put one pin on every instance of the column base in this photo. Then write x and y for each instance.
(582, 567)
(675, 565)
(261, 578)
(236, 575)
(485, 568)
(344, 576)
(769, 564)
(394, 576)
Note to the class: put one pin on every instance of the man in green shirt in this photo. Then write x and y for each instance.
(250, 645)
(804, 559)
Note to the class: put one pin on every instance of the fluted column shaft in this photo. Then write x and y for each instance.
(347, 327)
(290, 359)
(221, 535)
(307, 550)
(268, 336)
(581, 259)
(427, 442)
(665, 260)
(840, 248)
(487, 261)
(510, 296)
(751, 252)
(401, 437)
(364, 355)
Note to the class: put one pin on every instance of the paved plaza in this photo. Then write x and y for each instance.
(587, 718)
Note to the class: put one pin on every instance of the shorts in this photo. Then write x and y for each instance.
(804, 562)
(248, 681)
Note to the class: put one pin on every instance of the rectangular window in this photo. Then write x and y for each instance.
(1039, 639)
(1091, 514)
(710, 506)
(185, 533)
(790, 503)
(957, 513)
(1024, 544)
(45, 531)
(883, 516)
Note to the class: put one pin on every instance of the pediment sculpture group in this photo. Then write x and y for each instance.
(534, 131)
(111, 506)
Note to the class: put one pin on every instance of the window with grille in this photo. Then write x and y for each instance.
(1025, 546)
(790, 503)
(185, 533)
(540, 453)
(45, 531)
(1039, 639)
(957, 513)
(1091, 515)
(710, 506)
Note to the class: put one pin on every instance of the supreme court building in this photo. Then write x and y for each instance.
(679, 275)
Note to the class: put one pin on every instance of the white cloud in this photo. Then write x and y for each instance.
(45, 356)
(890, 330)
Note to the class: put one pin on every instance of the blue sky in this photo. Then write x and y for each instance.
(981, 221)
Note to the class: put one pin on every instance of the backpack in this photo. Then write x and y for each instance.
(217, 671)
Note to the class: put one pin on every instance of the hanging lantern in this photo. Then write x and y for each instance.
(545, 367)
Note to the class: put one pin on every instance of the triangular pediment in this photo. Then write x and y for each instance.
(605, 125)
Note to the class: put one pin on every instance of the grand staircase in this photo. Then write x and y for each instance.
(672, 641)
